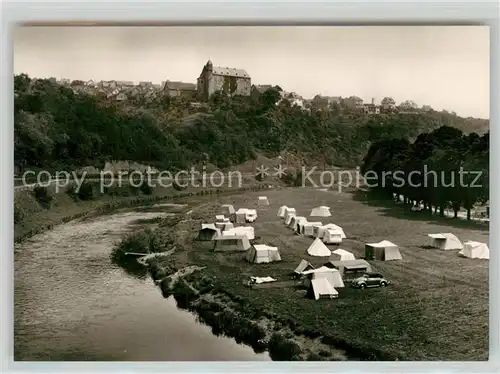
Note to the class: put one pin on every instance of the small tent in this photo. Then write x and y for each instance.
(228, 243)
(304, 265)
(331, 226)
(321, 211)
(228, 209)
(341, 255)
(332, 236)
(262, 201)
(474, 249)
(446, 241)
(282, 211)
(295, 221)
(299, 229)
(290, 210)
(248, 231)
(318, 249)
(331, 274)
(261, 253)
(384, 250)
(308, 228)
(288, 218)
(241, 215)
(350, 266)
(220, 218)
(207, 232)
(321, 288)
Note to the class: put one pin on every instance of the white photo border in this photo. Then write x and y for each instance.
(254, 13)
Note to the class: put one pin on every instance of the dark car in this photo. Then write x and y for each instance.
(370, 280)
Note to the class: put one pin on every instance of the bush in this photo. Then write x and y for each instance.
(283, 349)
(43, 195)
(18, 214)
(146, 189)
(86, 191)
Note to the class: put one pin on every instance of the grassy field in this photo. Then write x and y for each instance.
(436, 308)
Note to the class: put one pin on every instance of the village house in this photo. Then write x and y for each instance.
(388, 103)
(371, 108)
(227, 80)
(408, 105)
(179, 89)
(353, 102)
(257, 90)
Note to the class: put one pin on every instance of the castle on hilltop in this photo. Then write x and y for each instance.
(227, 80)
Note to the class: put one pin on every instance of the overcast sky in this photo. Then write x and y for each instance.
(446, 67)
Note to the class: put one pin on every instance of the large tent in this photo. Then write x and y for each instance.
(207, 232)
(331, 274)
(331, 226)
(318, 249)
(332, 236)
(308, 228)
(342, 255)
(474, 249)
(261, 253)
(248, 231)
(228, 243)
(384, 250)
(262, 201)
(303, 266)
(321, 211)
(446, 241)
(282, 211)
(321, 288)
(349, 267)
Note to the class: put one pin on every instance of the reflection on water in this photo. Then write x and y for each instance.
(71, 303)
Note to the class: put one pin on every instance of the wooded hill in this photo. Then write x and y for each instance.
(56, 128)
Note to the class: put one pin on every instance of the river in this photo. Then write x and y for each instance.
(71, 303)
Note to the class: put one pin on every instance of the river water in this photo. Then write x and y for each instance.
(72, 304)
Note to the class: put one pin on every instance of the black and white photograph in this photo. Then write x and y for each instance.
(251, 193)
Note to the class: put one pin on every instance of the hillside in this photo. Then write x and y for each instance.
(56, 127)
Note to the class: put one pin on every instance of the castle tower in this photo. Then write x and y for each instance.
(373, 101)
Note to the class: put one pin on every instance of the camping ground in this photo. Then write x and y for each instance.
(435, 309)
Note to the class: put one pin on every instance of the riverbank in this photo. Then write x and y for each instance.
(435, 309)
(33, 216)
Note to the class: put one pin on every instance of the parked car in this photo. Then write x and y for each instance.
(370, 280)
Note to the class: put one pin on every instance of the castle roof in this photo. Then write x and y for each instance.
(182, 86)
(239, 73)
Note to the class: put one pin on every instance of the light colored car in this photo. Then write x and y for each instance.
(370, 280)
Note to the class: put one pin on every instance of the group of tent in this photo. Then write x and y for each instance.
(228, 238)
(329, 233)
(469, 249)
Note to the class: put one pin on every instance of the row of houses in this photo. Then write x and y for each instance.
(231, 81)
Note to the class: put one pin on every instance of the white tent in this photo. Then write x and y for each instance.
(384, 250)
(318, 248)
(282, 211)
(288, 218)
(219, 218)
(241, 215)
(208, 232)
(331, 274)
(332, 236)
(321, 211)
(474, 249)
(321, 288)
(332, 226)
(248, 231)
(262, 201)
(231, 243)
(295, 221)
(308, 228)
(290, 210)
(342, 255)
(446, 241)
(261, 253)
(303, 266)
